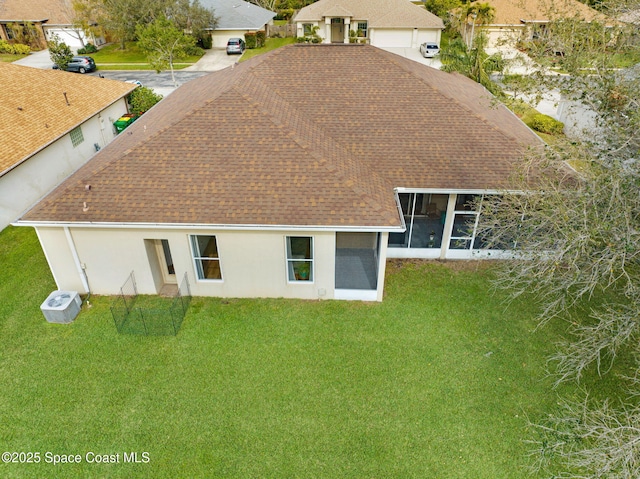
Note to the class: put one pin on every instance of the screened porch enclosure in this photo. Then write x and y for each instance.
(357, 261)
(425, 216)
(439, 225)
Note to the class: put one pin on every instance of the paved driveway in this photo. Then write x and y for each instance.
(213, 59)
(415, 55)
(39, 59)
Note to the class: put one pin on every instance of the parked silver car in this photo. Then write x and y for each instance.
(235, 45)
(429, 50)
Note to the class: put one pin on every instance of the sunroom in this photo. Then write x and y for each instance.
(439, 225)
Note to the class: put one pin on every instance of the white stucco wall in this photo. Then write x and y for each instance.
(253, 263)
(59, 255)
(27, 183)
(379, 37)
(499, 36)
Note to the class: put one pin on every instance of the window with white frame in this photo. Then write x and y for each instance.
(299, 258)
(76, 136)
(206, 257)
(363, 29)
(307, 29)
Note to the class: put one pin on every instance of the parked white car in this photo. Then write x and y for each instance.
(429, 50)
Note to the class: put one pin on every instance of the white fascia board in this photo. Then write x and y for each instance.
(454, 191)
(181, 226)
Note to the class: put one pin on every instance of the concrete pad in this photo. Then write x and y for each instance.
(39, 59)
(415, 55)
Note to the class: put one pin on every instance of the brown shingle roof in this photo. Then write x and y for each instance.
(278, 140)
(34, 111)
(378, 13)
(57, 12)
(514, 12)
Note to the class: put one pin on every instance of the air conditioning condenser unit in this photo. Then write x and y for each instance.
(61, 306)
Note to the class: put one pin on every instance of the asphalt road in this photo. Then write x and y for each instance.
(160, 82)
(213, 59)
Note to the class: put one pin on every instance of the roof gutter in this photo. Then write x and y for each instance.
(23, 20)
(457, 191)
(186, 226)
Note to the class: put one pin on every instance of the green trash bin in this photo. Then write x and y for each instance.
(124, 121)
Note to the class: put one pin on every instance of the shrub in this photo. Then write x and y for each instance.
(88, 48)
(261, 38)
(206, 42)
(20, 49)
(15, 49)
(250, 40)
(545, 124)
(194, 50)
(142, 99)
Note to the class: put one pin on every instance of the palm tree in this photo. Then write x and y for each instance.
(473, 62)
(480, 14)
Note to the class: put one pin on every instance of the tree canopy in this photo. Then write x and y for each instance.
(571, 216)
(164, 43)
(122, 17)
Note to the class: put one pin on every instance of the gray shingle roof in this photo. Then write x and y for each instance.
(238, 15)
(278, 141)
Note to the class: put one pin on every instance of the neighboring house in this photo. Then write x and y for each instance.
(235, 18)
(52, 123)
(294, 174)
(382, 23)
(523, 20)
(49, 17)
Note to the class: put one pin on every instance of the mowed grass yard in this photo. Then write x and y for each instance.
(435, 382)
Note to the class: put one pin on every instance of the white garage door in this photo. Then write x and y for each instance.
(385, 38)
(221, 37)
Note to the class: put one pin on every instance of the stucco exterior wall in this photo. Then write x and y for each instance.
(379, 37)
(23, 186)
(253, 263)
(498, 36)
(59, 255)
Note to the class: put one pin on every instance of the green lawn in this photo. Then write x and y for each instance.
(270, 44)
(435, 382)
(112, 57)
(8, 57)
